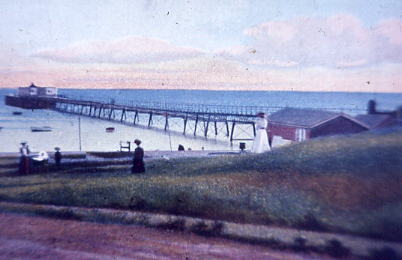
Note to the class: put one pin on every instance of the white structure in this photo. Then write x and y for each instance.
(37, 91)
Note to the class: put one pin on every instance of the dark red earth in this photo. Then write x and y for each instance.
(28, 237)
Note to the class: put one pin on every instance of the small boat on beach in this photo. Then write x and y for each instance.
(41, 129)
(110, 129)
(17, 113)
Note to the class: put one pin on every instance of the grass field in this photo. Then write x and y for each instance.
(350, 184)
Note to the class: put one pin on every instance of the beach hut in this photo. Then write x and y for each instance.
(297, 124)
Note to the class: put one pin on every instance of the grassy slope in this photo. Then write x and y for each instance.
(350, 184)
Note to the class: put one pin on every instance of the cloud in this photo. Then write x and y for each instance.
(121, 51)
(12, 58)
(391, 29)
(207, 73)
(336, 41)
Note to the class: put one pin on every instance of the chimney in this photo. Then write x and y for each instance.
(399, 114)
(371, 107)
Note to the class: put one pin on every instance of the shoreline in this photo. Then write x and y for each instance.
(98, 160)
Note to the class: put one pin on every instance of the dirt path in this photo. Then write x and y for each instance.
(27, 237)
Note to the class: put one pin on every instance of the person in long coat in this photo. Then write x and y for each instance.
(25, 160)
(57, 156)
(261, 143)
(138, 160)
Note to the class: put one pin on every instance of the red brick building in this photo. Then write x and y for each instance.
(300, 124)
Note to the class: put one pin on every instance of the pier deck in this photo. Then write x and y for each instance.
(234, 122)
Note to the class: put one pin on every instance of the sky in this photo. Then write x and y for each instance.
(304, 45)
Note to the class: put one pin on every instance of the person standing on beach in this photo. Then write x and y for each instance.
(181, 148)
(25, 160)
(138, 160)
(57, 156)
(261, 143)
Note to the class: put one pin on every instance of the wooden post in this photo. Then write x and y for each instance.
(166, 122)
(104, 112)
(254, 130)
(100, 110)
(185, 125)
(135, 116)
(150, 119)
(110, 113)
(216, 128)
(206, 127)
(79, 132)
(227, 128)
(195, 126)
(123, 113)
(231, 134)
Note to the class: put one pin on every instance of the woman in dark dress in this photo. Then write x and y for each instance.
(138, 160)
(57, 156)
(25, 160)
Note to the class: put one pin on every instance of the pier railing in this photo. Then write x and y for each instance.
(205, 119)
(245, 110)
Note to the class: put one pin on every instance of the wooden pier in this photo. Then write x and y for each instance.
(233, 122)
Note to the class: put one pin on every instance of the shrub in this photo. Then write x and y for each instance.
(310, 222)
(200, 228)
(203, 229)
(179, 204)
(299, 244)
(385, 253)
(217, 228)
(137, 203)
(63, 214)
(335, 248)
(177, 224)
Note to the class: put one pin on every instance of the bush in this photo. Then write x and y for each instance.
(63, 214)
(203, 229)
(299, 244)
(137, 203)
(310, 222)
(217, 228)
(200, 228)
(385, 253)
(335, 248)
(177, 225)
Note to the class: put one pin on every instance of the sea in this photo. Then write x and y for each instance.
(75, 133)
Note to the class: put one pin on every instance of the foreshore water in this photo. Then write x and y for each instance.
(74, 133)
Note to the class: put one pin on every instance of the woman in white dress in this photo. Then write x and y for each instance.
(260, 143)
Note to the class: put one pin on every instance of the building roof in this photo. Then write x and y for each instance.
(373, 120)
(307, 118)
